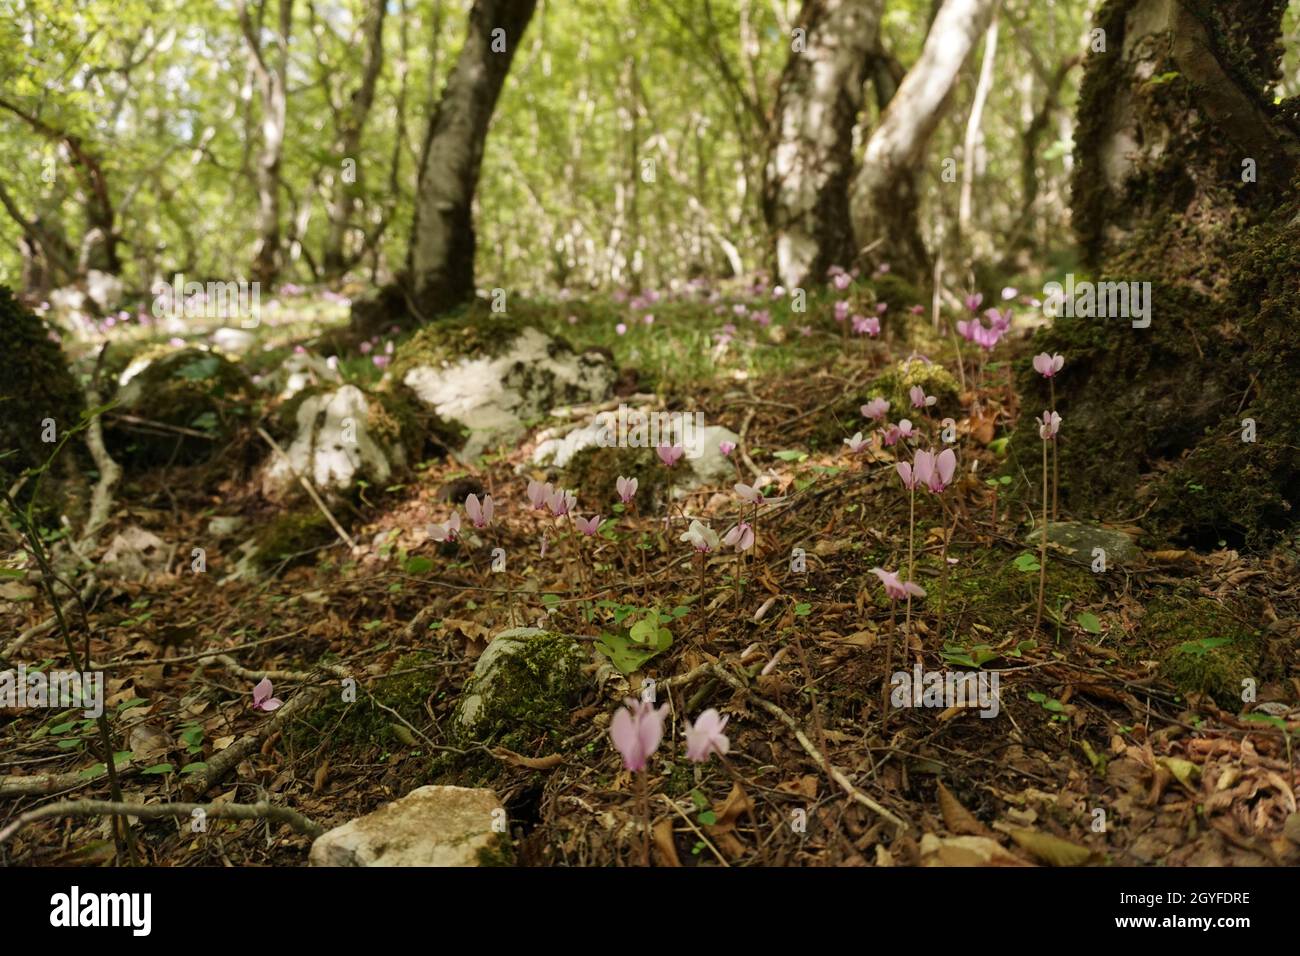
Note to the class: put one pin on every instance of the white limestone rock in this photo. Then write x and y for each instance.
(430, 826)
(496, 396)
(335, 445)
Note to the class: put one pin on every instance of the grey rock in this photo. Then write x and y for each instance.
(1078, 541)
(495, 396)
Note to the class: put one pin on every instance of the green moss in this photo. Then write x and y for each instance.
(992, 599)
(290, 534)
(899, 293)
(473, 331)
(499, 852)
(360, 723)
(896, 382)
(1203, 648)
(532, 691)
(35, 385)
(594, 473)
(187, 388)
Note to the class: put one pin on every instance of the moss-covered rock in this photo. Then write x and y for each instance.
(496, 377)
(1203, 648)
(594, 473)
(290, 535)
(190, 389)
(525, 684)
(896, 382)
(35, 386)
(340, 436)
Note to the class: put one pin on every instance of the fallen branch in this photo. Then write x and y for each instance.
(809, 747)
(47, 625)
(224, 761)
(43, 784)
(307, 485)
(159, 811)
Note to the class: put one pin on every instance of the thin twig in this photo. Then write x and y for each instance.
(158, 811)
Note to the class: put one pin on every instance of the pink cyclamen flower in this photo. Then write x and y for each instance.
(700, 537)
(741, 537)
(1048, 365)
(262, 699)
(896, 589)
(876, 409)
(670, 454)
(561, 502)
(448, 531)
(705, 737)
(863, 325)
(919, 472)
(1001, 321)
(945, 466)
(842, 281)
(919, 398)
(1049, 425)
(636, 730)
(857, 443)
(538, 492)
(752, 495)
(841, 310)
(973, 302)
(587, 526)
(903, 430)
(479, 514)
(626, 488)
(726, 447)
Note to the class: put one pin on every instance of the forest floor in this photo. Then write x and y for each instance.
(1121, 735)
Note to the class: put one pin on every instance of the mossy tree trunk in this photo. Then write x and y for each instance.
(1185, 178)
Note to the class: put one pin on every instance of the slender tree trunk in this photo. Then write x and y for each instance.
(100, 240)
(272, 80)
(810, 162)
(440, 261)
(974, 134)
(884, 196)
(334, 259)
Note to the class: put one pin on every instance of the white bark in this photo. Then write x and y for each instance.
(884, 200)
(810, 163)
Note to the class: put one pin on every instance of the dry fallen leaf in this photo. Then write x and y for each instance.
(1050, 849)
(966, 851)
(956, 817)
(665, 847)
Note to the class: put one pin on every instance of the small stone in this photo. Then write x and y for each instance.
(1079, 541)
(430, 826)
(224, 526)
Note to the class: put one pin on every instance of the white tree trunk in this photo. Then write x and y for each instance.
(810, 163)
(884, 200)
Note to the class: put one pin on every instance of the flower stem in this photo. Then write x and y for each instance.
(1042, 551)
(644, 803)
